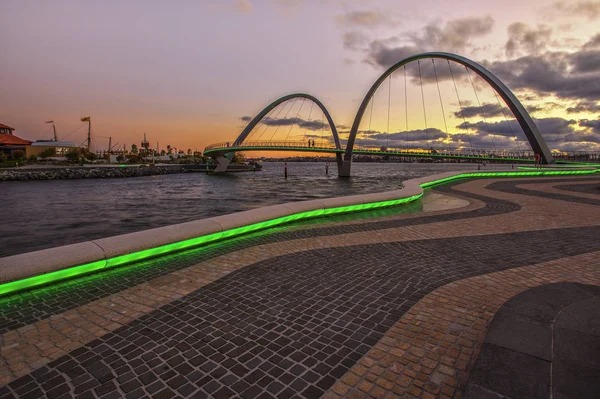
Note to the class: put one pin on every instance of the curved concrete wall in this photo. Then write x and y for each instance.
(103, 251)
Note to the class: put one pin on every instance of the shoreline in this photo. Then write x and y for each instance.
(87, 172)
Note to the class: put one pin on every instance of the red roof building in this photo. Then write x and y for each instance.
(11, 146)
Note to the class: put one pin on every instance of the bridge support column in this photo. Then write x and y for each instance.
(222, 164)
(344, 170)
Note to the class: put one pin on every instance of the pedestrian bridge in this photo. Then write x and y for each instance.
(297, 146)
(434, 143)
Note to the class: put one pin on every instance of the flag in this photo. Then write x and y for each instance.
(86, 119)
(50, 122)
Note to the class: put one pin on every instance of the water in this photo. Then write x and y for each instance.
(44, 214)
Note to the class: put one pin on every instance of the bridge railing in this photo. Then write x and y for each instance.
(271, 144)
(452, 152)
(437, 152)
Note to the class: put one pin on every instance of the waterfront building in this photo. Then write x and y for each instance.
(11, 146)
(60, 148)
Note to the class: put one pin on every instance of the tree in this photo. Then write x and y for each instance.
(189, 152)
(162, 153)
(169, 149)
(238, 157)
(48, 152)
(73, 155)
(134, 149)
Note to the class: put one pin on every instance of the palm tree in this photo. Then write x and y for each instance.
(169, 149)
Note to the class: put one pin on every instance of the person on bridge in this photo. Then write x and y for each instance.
(538, 160)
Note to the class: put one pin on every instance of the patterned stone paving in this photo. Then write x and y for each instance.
(430, 351)
(289, 325)
(21, 310)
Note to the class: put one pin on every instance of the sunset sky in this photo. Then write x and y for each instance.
(189, 73)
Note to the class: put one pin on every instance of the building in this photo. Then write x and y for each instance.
(58, 148)
(11, 146)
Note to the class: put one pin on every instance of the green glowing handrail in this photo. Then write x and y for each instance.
(75, 271)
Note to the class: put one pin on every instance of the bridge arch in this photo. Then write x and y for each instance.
(529, 127)
(281, 100)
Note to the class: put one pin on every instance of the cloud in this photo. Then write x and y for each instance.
(288, 3)
(365, 19)
(243, 6)
(486, 110)
(547, 126)
(313, 125)
(246, 118)
(304, 124)
(455, 36)
(593, 125)
(585, 61)
(584, 106)
(594, 42)
(354, 40)
(411, 135)
(589, 9)
(566, 75)
(523, 38)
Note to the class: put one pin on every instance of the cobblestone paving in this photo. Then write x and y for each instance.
(23, 309)
(430, 351)
(293, 302)
(289, 325)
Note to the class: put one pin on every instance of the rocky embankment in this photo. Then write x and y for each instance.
(78, 172)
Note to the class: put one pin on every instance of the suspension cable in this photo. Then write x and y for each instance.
(481, 108)
(257, 128)
(462, 112)
(372, 104)
(276, 116)
(309, 113)
(507, 122)
(322, 127)
(441, 103)
(423, 99)
(298, 113)
(388, 115)
(285, 117)
(405, 109)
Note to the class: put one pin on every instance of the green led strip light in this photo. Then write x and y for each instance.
(52, 277)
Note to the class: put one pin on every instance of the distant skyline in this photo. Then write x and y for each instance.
(190, 73)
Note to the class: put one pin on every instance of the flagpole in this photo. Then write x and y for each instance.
(89, 138)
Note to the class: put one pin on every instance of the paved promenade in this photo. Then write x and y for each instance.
(396, 305)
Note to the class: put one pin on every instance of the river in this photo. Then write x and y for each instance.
(44, 214)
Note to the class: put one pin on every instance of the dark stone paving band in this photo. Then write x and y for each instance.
(545, 194)
(543, 342)
(581, 188)
(27, 308)
(286, 326)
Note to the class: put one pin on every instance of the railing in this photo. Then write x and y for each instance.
(505, 153)
(271, 144)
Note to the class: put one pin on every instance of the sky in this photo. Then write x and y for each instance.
(191, 73)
